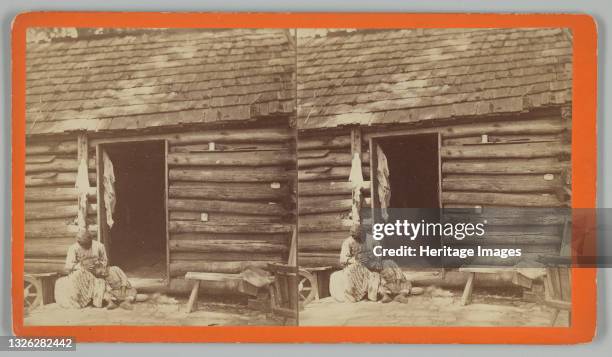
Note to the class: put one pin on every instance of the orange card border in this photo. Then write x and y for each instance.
(584, 168)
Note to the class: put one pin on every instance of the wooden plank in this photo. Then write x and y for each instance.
(518, 237)
(223, 218)
(179, 268)
(48, 194)
(502, 199)
(226, 257)
(292, 256)
(269, 209)
(310, 205)
(328, 188)
(227, 135)
(331, 159)
(240, 135)
(532, 126)
(325, 173)
(306, 259)
(43, 266)
(48, 247)
(250, 159)
(222, 246)
(67, 179)
(51, 210)
(507, 166)
(501, 139)
(356, 141)
(230, 191)
(166, 215)
(466, 297)
(193, 297)
(57, 165)
(522, 150)
(39, 159)
(229, 174)
(499, 183)
(82, 187)
(329, 142)
(51, 147)
(312, 153)
(320, 242)
(508, 262)
(42, 229)
(559, 304)
(211, 276)
(281, 238)
(182, 286)
(510, 216)
(187, 226)
(333, 173)
(223, 147)
(324, 225)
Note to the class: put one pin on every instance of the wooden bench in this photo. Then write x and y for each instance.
(517, 279)
(199, 277)
(511, 274)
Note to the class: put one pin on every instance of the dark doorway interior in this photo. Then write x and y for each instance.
(414, 179)
(413, 170)
(138, 236)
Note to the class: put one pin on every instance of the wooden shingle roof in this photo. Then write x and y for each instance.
(152, 78)
(400, 76)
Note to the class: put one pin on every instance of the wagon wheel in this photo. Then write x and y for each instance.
(306, 287)
(32, 293)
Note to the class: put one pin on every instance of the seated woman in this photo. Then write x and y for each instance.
(364, 276)
(88, 278)
(80, 287)
(355, 281)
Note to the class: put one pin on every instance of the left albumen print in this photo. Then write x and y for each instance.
(160, 177)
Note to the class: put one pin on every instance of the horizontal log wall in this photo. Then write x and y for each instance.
(51, 202)
(324, 205)
(525, 162)
(231, 199)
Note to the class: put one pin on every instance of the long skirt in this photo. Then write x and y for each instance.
(79, 289)
(354, 283)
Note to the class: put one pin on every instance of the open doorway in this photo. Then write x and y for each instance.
(413, 164)
(134, 232)
(406, 186)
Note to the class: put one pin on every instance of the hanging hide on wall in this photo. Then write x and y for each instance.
(108, 180)
(384, 186)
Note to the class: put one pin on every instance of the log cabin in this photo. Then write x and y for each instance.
(467, 118)
(176, 149)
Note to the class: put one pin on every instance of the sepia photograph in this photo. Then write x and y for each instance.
(472, 119)
(160, 177)
(224, 177)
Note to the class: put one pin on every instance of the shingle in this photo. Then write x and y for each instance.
(395, 76)
(156, 78)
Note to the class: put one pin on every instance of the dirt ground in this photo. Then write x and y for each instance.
(159, 311)
(436, 307)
